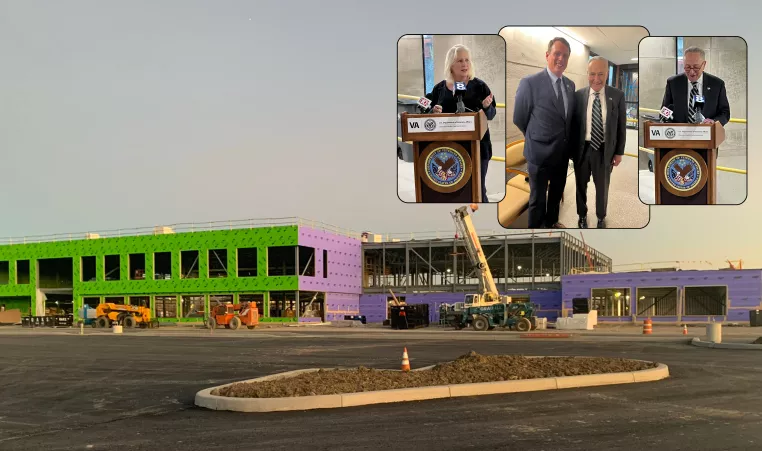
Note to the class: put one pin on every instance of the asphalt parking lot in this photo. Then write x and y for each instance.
(135, 392)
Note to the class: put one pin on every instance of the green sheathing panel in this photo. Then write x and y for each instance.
(260, 238)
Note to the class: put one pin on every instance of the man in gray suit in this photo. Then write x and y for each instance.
(543, 112)
(600, 131)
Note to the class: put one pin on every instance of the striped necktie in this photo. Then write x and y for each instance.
(692, 103)
(596, 128)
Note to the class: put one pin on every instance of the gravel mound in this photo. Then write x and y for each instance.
(469, 368)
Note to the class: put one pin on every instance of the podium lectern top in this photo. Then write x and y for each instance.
(683, 136)
(444, 126)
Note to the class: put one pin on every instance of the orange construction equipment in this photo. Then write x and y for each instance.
(647, 326)
(233, 315)
(405, 361)
(685, 329)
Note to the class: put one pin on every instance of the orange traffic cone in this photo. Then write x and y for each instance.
(405, 361)
(685, 329)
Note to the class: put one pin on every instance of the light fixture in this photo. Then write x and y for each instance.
(547, 275)
(519, 267)
(634, 59)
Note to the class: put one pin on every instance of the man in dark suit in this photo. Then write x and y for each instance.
(543, 112)
(682, 88)
(600, 120)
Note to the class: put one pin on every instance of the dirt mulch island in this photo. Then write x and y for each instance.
(469, 368)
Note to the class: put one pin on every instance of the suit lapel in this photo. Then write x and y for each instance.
(609, 110)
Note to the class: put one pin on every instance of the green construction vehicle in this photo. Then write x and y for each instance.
(487, 309)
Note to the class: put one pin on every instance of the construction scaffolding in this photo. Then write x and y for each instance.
(531, 261)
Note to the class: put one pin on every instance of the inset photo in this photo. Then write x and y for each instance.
(693, 134)
(572, 123)
(451, 118)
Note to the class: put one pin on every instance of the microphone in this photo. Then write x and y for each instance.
(698, 102)
(460, 91)
(424, 104)
(665, 115)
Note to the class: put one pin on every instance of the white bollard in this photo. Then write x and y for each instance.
(714, 332)
(117, 329)
(82, 328)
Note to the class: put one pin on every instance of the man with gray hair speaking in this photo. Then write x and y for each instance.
(682, 90)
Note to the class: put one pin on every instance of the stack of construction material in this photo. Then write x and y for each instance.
(579, 321)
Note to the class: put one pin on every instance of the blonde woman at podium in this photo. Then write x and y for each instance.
(477, 96)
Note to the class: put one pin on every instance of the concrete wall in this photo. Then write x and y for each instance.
(657, 61)
(410, 65)
(744, 290)
(373, 306)
(726, 57)
(525, 55)
(488, 53)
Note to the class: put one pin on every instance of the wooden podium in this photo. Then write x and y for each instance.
(446, 156)
(685, 161)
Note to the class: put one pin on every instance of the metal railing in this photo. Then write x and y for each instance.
(189, 227)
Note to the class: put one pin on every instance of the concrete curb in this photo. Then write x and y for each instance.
(204, 398)
(710, 344)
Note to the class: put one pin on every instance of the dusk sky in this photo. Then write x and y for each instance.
(146, 113)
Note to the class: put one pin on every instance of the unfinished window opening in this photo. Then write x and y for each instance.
(162, 265)
(59, 304)
(283, 304)
(281, 261)
(192, 307)
(5, 273)
(306, 261)
(703, 301)
(166, 306)
(91, 302)
(189, 264)
(140, 301)
(610, 301)
(89, 273)
(312, 305)
(22, 272)
(55, 273)
(137, 266)
(258, 299)
(218, 263)
(112, 264)
(657, 301)
(325, 264)
(247, 262)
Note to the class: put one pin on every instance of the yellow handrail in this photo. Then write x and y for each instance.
(732, 119)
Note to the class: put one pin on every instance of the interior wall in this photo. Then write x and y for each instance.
(657, 61)
(726, 58)
(525, 55)
(410, 78)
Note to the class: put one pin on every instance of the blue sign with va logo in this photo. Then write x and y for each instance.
(682, 172)
(445, 166)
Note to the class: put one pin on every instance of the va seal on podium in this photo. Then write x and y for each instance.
(430, 125)
(685, 172)
(445, 167)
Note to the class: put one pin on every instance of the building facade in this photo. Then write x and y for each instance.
(669, 296)
(286, 270)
